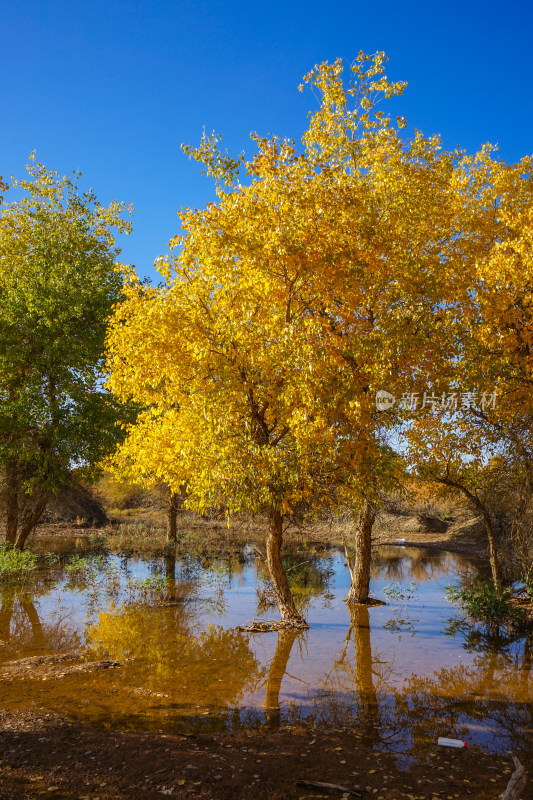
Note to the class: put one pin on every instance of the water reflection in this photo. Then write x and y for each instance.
(21, 627)
(177, 658)
(364, 674)
(19, 617)
(492, 697)
(404, 564)
(172, 625)
(348, 695)
(276, 671)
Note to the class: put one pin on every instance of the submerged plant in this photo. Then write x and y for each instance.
(155, 583)
(398, 593)
(401, 621)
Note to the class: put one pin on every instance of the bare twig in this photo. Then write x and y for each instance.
(319, 785)
(297, 565)
(347, 556)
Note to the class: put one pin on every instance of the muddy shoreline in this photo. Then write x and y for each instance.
(44, 755)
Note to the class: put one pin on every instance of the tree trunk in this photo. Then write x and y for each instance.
(493, 554)
(30, 522)
(275, 675)
(21, 519)
(11, 519)
(483, 510)
(286, 606)
(172, 527)
(360, 571)
(11, 493)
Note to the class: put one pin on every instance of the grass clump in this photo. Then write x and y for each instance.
(138, 538)
(76, 563)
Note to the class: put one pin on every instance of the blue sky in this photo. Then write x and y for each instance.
(114, 88)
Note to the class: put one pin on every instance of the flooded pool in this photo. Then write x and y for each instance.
(399, 675)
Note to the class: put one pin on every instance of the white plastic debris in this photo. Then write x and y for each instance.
(401, 541)
(444, 742)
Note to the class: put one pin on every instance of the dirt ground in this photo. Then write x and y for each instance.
(42, 755)
(144, 530)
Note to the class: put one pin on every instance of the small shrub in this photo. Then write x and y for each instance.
(266, 597)
(481, 601)
(14, 562)
(155, 590)
(121, 495)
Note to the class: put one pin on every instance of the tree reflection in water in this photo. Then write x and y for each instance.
(177, 669)
(276, 671)
(350, 694)
(393, 564)
(488, 700)
(491, 698)
(21, 625)
(193, 669)
(364, 676)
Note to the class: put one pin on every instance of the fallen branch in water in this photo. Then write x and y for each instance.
(264, 626)
(44, 668)
(319, 785)
(297, 565)
(517, 782)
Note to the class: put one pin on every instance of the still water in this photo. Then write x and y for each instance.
(399, 674)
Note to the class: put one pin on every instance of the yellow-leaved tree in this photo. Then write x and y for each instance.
(475, 437)
(285, 306)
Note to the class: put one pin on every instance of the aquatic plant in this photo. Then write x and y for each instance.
(482, 601)
(14, 562)
(397, 593)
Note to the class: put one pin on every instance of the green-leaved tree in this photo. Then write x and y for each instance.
(58, 286)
